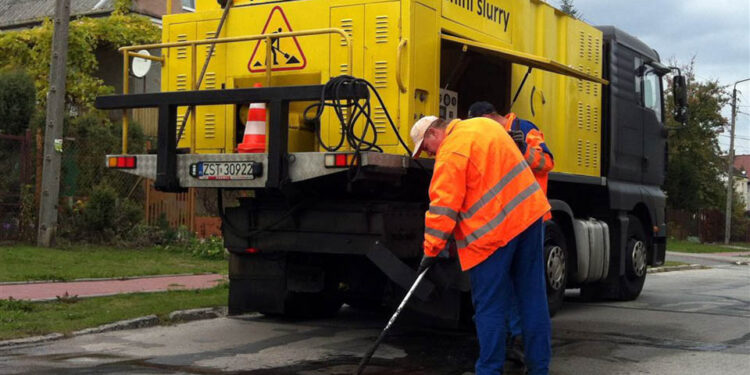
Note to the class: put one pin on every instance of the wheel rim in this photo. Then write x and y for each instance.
(639, 258)
(556, 267)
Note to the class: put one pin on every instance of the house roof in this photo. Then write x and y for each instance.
(20, 13)
(742, 162)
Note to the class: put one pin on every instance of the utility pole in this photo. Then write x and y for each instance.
(53, 130)
(730, 167)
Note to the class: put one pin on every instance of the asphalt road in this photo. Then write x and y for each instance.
(687, 322)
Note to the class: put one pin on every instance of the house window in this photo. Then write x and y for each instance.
(188, 5)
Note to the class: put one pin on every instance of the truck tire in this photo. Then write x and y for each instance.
(625, 287)
(555, 265)
(636, 255)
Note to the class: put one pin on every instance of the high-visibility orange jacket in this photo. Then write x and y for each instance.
(536, 152)
(482, 192)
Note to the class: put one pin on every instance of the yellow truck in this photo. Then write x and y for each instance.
(332, 211)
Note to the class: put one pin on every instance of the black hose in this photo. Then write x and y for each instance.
(356, 109)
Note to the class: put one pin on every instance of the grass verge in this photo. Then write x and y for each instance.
(23, 263)
(703, 248)
(23, 319)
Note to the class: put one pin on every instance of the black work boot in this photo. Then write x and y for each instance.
(515, 362)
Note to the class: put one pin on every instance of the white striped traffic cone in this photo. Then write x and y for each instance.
(254, 139)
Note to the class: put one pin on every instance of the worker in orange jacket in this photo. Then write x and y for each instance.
(483, 195)
(530, 141)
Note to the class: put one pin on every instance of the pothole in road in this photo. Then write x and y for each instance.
(87, 358)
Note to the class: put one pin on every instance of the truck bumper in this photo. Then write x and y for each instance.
(302, 166)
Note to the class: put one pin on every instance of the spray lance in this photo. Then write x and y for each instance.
(424, 267)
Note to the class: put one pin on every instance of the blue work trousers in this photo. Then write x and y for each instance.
(514, 315)
(517, 266)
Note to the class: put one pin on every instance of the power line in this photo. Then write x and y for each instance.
(735, 137)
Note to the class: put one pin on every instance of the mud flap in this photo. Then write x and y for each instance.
(398, 271)
(256, 284)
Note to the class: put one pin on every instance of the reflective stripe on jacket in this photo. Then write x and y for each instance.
(482, 192)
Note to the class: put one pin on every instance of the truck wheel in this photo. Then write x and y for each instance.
(636, 251)
(555, 265)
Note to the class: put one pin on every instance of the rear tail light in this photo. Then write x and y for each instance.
(121, 162)
(339, 160)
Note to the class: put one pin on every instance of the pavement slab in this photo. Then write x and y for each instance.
(98, 288)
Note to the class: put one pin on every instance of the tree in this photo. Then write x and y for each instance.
(696, 167)
(17, 101)
(30, 49)
(567, 7)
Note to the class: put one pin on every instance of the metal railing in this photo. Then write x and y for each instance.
(267, 38)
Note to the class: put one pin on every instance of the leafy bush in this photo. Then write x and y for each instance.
(206, 248)
(209, 248)
(99, 212)
(88, 139)
(17, 100)
(27, 220)
(103, 218)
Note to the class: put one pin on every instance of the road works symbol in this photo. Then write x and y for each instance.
(286, 53)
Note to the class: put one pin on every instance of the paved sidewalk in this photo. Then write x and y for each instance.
(50, 291)
(728, 258)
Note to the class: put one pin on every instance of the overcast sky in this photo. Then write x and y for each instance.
(716, 32)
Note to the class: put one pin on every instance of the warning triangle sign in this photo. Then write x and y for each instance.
(286, 53)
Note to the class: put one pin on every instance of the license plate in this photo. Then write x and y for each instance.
(226, 170)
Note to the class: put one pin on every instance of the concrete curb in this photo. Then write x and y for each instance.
(684, 267)
(108, 278)
(30, 340)
(142, 322)
(179, 316)
(197, 314)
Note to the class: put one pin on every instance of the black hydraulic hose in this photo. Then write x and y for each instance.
(356, 110)
(518, 92)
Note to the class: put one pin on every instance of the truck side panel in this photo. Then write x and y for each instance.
(567, 110)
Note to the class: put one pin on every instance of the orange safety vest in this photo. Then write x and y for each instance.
(482, 192)
(540, 162)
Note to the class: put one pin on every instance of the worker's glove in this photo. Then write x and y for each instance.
(519, 138)
(426, 263)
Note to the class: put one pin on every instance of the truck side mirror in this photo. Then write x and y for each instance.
(679, 92)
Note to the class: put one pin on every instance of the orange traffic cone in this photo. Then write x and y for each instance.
(255, 128)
